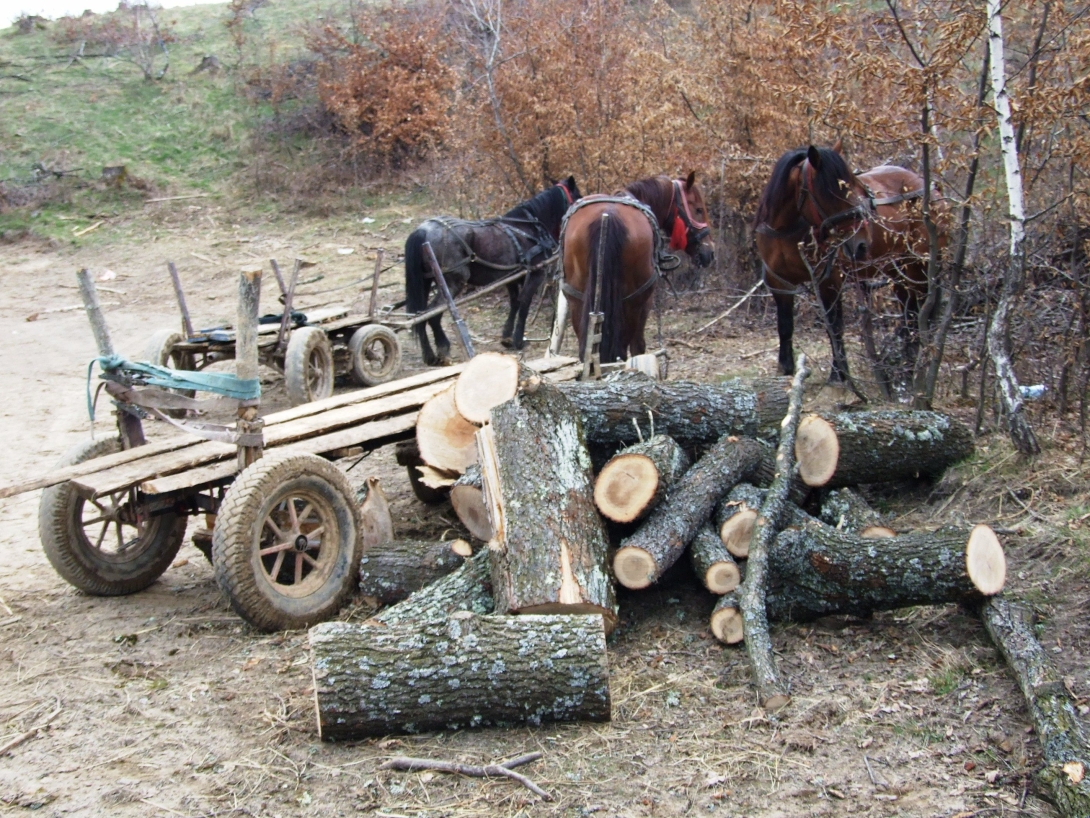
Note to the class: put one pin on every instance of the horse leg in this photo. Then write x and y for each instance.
(829, 296)
(509, 325)
(785, 325)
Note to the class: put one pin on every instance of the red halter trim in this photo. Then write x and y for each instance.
(567, 193)
(679, 235)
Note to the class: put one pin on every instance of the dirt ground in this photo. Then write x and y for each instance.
(170, 705)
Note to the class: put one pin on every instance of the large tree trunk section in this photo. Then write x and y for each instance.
(391, 571)
(850, 448)
(690, 413)
(467, 497)
(445, 439)
(726, 620)
(820, 571)
(467, 671)
(549, 552)
(1063, 740)
(469, 588)
(488, 380)
(846, 510)
(407, 454)
(737, 513)
(636, 479)
(713, 564)
(661, 540)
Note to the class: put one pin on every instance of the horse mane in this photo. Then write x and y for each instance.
(656, 192)
(828, 177)
(548, 207)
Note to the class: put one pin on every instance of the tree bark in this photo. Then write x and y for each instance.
(469, 588)
(467, 671)
(713, 564)
(661, 540)
(1063, 739)
(691, 413)
(726, 620)
(393, 570)
(467, 498)
(549, 552)
(737, 513)
(850, 448)
(637, 478)
(846, 510)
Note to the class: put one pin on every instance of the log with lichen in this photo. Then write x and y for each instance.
(845, 509)
(712, 562)
(469, 588)
(390, 571)
(726, 620)
(464, 671)
(637, 478)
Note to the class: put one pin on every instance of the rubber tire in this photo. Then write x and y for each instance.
(57, 514)
(303, 344)
(159, 350)
(364, 337)
(235, 539)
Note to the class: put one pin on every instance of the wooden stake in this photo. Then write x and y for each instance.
(179, 294)
(246, 360)
(374, 283)
(441, 283)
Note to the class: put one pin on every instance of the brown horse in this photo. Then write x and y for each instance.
(619, 231)
(815, 209)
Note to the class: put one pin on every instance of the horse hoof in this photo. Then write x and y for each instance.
(507, 343)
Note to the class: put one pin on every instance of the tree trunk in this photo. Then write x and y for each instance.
(819, 571)
(467, 671)
(661, 540)
(691, 413)
(444, 438)
(726, 620)
(468, 500)
(1063, 740)
(393, 570)
(469, 588)
(549, 552)
(713, 564)
(849, 448)
(636, 479)
(846, 510)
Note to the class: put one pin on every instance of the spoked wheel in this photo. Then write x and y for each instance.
(110, 545)
(162, 350)
(375, 353)
(308, 366)
(286, 546)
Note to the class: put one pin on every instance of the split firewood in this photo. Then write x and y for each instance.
(489, 379)
(444, 438)
(636, 479)
(644, 556)
(407, 454)
(818, 571)
(846, 510)
(713, 564)
(504, 769)
(851, 448)
(771, 691)
(549, 547)
(392, 570)
(1063, 739)
(469, 588)
(690, 413)
(466, 671)
(467, 498)
(726, 620)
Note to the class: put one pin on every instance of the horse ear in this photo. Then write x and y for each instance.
(838, 146)
(691, 180)
(813, 155)
(570, 182)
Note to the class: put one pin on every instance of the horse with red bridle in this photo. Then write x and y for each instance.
(814, 211)
(615, 244)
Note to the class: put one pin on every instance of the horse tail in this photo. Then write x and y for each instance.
(611, 242)
(417, 284)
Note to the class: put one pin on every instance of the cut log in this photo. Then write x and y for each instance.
(444, 438)
(713, 564)
(726, 621)
(690, 413)
(1064, 745)
(636, 479)
(765, 473)
(846, 510)
(549, 552)
(469, 588)
(467, 671)
(468, 500)
(488, 380)
(392, 570)
(734, 518)
(851, 448)
(662, 539)
(407, 454)
(820, 571)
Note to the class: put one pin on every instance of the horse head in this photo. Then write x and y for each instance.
(833, 202)
(691, 231)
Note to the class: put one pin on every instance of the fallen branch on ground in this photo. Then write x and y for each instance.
(487, 771)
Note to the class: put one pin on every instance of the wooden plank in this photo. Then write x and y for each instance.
(318, 317)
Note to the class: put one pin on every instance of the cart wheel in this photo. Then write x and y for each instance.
(107, 546)
(160, 350)
(308, 366)
(286, 547)
(376, 354)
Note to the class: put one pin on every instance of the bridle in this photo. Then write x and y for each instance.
(567, 193)
(692, 232)
(860, 212)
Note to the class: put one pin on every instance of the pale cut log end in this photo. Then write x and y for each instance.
(727, 626)
(817, 450)
(877, 532)
(722, 578)
(737, 532)
(468, 502)
(461, 548)
(625, 487)
(777, 701)
(489, 379)
(634, 568)
(446, 440)
(985, 561)
(317, 706)
(435, 478)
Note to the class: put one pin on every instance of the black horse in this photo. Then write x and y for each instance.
(482, 252)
